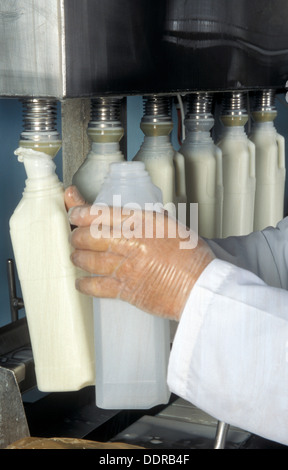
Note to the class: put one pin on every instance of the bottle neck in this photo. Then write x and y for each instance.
(199, 137)
(49, 184)
(157, 141)
(265, 126)
(128, 170)
(40, 170)
(201, 123)
(104, 148)
(234, 132)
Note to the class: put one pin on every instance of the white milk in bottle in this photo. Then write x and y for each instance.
(238, 156)
(60, 319)
(270, 162)
(203, 167)
(131, 346)
(105, 131)
(165, 166)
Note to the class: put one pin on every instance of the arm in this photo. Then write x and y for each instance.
(264, 253)
(230, 352)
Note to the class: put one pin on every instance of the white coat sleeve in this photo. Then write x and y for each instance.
(265, 253)
(230, 351)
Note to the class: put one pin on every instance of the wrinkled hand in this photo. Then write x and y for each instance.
(154, 273)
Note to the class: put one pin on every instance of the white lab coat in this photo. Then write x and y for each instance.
(230, 351)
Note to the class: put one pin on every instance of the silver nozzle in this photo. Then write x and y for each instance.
(105, 112)
(264, 101)
(234, 104)
(39, 120)
(157, 109)
(199, 104)
(199, 112)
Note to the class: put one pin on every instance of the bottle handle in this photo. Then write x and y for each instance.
(220, 190)
(281, 150)
(252, 159)
(180, 182)
(219, 166)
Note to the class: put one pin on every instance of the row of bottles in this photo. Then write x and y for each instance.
(76, 341)
(221, 179)
(166, 167)
(237, 182)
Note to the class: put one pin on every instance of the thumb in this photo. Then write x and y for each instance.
(73, 198)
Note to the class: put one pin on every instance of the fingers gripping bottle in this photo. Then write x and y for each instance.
(60, 319)
(238, 156)
(203, 167)
(131, 346)
(105, 131)
(270, 162)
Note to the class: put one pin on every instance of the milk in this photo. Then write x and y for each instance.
(91, 174)
(60, 319)
(270, 171)
(165, 166)
(203, 171)
(105, 149)
(238, 154)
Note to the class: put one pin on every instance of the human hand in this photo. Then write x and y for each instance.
(154, 273)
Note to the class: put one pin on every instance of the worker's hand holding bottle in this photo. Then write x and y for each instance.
(147, 258)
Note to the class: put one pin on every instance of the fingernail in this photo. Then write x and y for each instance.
(73, 193)
(70, 213)
(72, 257)
(75, 212)
(78, 284)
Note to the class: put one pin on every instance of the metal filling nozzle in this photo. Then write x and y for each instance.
(40, 125)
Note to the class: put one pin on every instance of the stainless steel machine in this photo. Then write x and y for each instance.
(66, 52)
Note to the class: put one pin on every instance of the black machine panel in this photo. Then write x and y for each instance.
(148, 46)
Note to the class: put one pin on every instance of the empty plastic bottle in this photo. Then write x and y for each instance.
(131, 346)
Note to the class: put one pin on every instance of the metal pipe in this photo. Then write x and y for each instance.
(221, 435)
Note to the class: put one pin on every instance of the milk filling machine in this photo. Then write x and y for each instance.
(62, 55)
